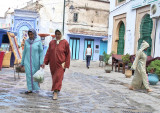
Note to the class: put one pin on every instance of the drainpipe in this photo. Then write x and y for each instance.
(64, 15)
(155, 37)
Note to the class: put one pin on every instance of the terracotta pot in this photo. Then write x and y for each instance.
(43, 35)
(128, 73)
(53, 36)
(108, 68)
(107, 71)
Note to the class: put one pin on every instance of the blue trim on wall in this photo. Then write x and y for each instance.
(24, 18)
(85, 36)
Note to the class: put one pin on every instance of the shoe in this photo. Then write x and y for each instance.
(55, 96)
(56, 91)
(27, 92)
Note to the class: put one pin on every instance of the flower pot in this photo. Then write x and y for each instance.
(153, 79)
(43, 35)
(128, 73)
(53, 36)
(108, 68)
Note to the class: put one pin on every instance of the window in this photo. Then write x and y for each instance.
(75, 17)
(53, 9)
(121, 0)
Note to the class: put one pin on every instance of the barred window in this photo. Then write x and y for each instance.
(75, 17)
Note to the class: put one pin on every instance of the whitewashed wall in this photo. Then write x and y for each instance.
(157, 44)
(130, 24)
(51, 17)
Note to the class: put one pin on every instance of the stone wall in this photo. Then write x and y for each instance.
(92, 17)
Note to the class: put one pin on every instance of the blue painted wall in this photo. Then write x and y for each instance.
(96, 51)
(22, 24)
(23, 20)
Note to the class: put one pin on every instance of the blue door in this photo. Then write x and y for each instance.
(74, 47)
(86, 43)
(103, 47)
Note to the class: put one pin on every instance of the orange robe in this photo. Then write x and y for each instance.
(55, 56)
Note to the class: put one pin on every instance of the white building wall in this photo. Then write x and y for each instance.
(157, 44)
(130, 25)
(130, 30)
(51, 17)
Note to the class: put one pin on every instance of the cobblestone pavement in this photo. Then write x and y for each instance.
(84, 91)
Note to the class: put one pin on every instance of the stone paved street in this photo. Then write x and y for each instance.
(84, 91)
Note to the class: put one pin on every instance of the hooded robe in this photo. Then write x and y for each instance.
(32, 59)
(140, 79)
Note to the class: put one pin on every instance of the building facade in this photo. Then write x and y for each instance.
(5, 22)
(22, 21)
(50, 15)
(87, 23)
(84, 22)
(130, 23)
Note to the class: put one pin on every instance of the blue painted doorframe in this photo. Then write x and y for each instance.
(74, 47)
(103, 47)
(21, 33)
(86, 43)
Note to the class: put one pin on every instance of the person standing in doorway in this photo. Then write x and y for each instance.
(88, 55)
(58, 57)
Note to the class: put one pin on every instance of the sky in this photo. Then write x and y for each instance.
(5, 4)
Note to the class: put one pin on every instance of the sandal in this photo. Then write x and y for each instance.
(149, 90)
(27, 92)
(131, 88)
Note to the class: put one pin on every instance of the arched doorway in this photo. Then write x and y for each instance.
(120, 47)
(22, 33)
(145, 32)
(21, 30)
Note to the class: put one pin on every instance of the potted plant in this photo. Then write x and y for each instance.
(108, 68)
(154, 72)
(127, 62)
